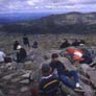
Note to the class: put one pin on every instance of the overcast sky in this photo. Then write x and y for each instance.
(11, 6)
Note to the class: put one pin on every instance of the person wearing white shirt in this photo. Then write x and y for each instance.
(2, 56)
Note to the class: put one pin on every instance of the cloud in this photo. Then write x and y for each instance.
(47, 5)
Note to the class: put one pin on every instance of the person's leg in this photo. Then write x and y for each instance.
(74, 75)
(28, 44)
(66, 81)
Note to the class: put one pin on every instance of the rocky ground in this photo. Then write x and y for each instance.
(46, 41)
(14, 78)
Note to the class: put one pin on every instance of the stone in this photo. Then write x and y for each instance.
(7, 77)
(26, 75)
(12, 91)
(28, 62)
(92, 76)
(8, 64)
(26, 81)
(24, 89)
(2, 66)
(10, 75)
(1, 93)
(15, 80)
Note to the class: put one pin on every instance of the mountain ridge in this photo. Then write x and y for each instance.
(70, 22)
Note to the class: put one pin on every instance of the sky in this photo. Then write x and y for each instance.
(11, 6)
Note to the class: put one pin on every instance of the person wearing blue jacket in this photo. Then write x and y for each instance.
(69, 78)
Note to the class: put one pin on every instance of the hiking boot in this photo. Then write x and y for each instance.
(79, 89)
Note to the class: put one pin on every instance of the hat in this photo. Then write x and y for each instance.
(19, 47)
(54, 55)
(45, 69)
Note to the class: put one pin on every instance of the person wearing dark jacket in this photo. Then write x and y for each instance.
(35, 44)
(21, 54)
(87, 57)
(65, 44)
(64, 75)
(16, 43)
(75, 43)
(49, 83)
(26, 41)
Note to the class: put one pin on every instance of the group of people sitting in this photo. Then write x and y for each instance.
(20, 56)
(26, 43)
(55, 72)
(75, 43)
(81, 55)
(76, 51)
(19, 49)
(21, 53)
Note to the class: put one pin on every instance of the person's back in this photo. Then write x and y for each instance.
(75, 43)
(23, 53)
(65, 44)
(16, 43)
(58, 65)
(35, 44)
(2, 56)
(26, 41)
(49, 83)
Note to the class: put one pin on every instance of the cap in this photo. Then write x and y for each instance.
(19, 47)
(54, 55)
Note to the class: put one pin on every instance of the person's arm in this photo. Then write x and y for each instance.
(65, 69)
(4, 55)
(52, 67)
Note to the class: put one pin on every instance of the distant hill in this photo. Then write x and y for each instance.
(6, 18)
(74, 22)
